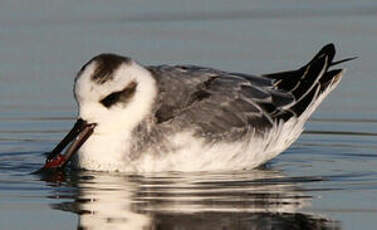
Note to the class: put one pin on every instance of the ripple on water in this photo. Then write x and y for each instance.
(282, 195)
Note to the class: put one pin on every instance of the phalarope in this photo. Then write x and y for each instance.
(134, 118)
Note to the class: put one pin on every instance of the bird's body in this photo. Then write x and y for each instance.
(190, 118)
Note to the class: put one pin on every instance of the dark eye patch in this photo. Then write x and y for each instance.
(122, 96)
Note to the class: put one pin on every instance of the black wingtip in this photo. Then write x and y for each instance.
(343, 60)
(328, 50)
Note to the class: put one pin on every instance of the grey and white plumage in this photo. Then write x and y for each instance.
(190, 118)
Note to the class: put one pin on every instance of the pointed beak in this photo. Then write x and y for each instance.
(80, 132)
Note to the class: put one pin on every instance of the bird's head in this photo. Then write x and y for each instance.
(114, 94)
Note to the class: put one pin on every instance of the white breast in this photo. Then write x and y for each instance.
(111, 153)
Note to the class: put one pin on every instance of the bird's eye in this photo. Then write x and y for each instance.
(122, 96)
(111, 99)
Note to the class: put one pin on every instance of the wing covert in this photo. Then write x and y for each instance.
(217, 103)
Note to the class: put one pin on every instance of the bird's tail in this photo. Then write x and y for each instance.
(310, 83)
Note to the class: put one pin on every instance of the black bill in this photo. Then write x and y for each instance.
(80, 132)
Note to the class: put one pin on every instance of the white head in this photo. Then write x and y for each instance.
(114, 95)
(114, 92)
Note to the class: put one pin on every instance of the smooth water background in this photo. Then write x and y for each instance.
(326, 180)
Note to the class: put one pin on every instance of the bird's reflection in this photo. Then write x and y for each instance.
(258, 199)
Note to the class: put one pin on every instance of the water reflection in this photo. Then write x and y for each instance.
(260, 199)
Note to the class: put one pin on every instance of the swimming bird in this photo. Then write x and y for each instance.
(135, 118)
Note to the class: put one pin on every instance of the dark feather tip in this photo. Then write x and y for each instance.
(343, 60)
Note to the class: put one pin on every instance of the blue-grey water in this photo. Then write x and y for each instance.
(326, 180)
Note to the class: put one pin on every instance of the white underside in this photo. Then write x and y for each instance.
(110, 153)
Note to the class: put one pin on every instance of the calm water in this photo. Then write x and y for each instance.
(326, 180)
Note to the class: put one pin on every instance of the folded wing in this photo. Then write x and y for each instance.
(220, 103)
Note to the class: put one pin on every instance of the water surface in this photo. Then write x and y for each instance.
(326, 180)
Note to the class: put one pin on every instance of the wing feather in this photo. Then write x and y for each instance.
(220, 103)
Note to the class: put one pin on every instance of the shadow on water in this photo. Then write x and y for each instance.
(258, 199)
